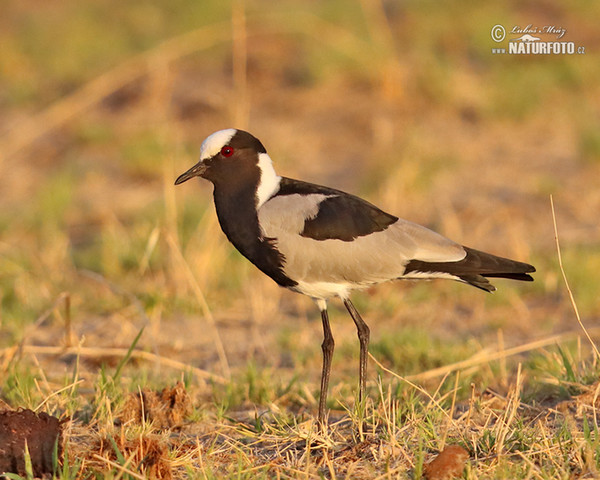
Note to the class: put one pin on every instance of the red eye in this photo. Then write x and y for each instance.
(227, 151)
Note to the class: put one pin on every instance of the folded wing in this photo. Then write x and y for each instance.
(328, 235)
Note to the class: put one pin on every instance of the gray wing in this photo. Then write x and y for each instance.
(369, 258)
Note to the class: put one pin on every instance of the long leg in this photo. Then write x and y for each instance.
(363, 338)
(327, 347)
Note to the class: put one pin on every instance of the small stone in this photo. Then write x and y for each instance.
(449, 464)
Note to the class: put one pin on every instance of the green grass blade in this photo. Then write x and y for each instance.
(567, 365)
(120, 457)
(28, 465)
(127, 356)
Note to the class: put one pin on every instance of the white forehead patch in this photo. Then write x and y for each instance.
(214, 142)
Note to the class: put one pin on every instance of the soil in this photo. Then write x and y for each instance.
(39, 433)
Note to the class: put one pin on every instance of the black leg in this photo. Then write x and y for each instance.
(363, 338)
(327, 347)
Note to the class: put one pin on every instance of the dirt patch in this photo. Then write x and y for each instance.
(147, 455)
(39, 431)
(165, 409)
(578, 405)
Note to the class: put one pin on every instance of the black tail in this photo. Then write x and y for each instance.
(475, 267)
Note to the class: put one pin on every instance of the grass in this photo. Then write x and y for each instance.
(404, 105)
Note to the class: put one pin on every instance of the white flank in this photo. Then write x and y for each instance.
(214, 142)
(325, 290)
(269, 180)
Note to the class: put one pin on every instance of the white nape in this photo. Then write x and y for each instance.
(269, 180)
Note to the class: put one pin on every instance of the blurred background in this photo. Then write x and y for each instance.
(103, 104)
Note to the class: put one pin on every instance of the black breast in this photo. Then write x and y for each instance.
(239, 221)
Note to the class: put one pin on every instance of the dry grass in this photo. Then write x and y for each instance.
(403, 105)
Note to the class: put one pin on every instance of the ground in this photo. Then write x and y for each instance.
(402, 103)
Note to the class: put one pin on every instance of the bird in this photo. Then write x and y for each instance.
(325, 243)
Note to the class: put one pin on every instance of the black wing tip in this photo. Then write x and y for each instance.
(525, 268)
(478, 281)
(482, 282)
(476, 267)
(523, 277)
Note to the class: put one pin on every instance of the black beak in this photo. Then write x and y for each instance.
(196, 171)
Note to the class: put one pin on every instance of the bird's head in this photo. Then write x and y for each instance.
(232, 157)
(223, 154)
